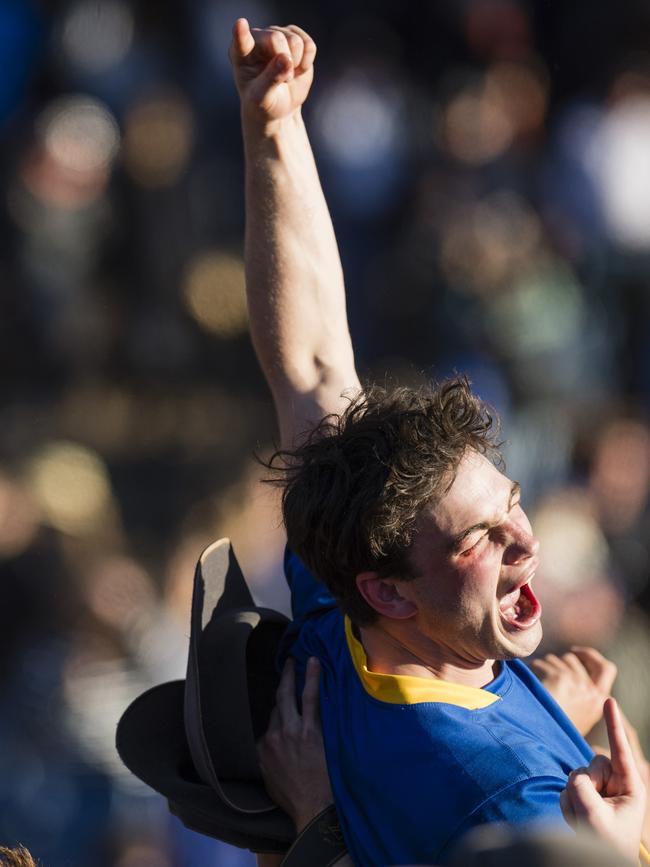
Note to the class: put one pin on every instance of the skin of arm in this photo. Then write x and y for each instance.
(296, 301)
(295, 287)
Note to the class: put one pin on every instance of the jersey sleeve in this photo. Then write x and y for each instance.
(308, 596)
(533, 801)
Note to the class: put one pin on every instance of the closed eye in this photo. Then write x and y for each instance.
(469, 550)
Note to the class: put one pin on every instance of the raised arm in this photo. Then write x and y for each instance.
(294, 280)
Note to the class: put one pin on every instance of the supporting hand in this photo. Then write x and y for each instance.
(291, 753)
(609, 796)
(579, 681)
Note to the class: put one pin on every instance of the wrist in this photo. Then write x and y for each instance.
(262, 131)
(308, 813)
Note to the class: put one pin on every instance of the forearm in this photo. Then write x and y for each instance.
(294, 279)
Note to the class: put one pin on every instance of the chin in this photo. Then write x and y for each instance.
(521, 643)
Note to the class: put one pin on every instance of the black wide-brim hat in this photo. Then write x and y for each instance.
(193, 741)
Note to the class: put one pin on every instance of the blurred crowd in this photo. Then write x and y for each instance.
(486, 163)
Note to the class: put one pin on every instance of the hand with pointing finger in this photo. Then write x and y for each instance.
(273, 69)
(609, 796)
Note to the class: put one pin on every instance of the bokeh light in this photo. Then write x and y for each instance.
(357, 119)
(79, 133)
(476, 126)
(158, 139)
(69, 163)
(214, 293)
(19, 517)
(144, 855)
(497, 28)
(619, 159)
(620, 476)
(118, 591)
(489, 113)
(485, 244)
(582, 605)
(97, 34)
(71, 484)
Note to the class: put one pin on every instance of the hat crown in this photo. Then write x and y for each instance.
(194, 741)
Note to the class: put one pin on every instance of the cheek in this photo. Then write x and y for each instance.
(479, 578)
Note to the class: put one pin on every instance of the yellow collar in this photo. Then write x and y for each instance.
(408, 689)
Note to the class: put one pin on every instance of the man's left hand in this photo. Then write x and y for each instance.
(580, 681)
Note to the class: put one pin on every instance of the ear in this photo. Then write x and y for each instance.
(383, 595)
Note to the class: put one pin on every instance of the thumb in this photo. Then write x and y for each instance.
(242, 38)
(583, 795)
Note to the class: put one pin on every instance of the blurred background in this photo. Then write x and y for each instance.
(487, 163)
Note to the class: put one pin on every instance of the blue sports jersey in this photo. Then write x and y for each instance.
(416, 762)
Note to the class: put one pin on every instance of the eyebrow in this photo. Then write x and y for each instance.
(457, 541)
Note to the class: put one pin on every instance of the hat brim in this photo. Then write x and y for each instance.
(151, 742)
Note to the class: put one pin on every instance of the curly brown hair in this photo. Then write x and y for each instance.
(354, 488)
(18, 857)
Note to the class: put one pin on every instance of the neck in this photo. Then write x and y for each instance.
(392, 649)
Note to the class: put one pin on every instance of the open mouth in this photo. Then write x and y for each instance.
(521, 608)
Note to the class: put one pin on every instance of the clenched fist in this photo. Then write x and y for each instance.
(273, 69)
(579, 681)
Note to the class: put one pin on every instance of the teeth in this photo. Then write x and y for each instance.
(508, 602)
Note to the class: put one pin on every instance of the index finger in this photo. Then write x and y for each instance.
(622, 758)
(285, 697)
(310, 693)
(309, 51)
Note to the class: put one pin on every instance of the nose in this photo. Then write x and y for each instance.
(521, 545)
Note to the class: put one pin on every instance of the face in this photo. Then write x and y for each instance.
(474, 558)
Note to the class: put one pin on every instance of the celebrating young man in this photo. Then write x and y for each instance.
(412, 561)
